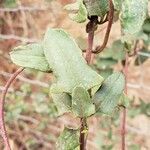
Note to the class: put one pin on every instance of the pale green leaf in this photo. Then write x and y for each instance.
(77, 11)
(30, 56)
(146, 26)
(82, 105)
(124, 100)
(118, 50)
(67, 62)
(105, 63)
(107, 97)
(9, 3)
(117, 4)
(97, 7)
(132, 17)
(62, 102)
(68, 140)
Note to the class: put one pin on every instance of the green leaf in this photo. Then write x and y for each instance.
(10, 3)
(118, 50)
(96, 7)
(146, 26)
(62, 102)
(106, 72)
(68, 140)
(117, 4)
(67, 63)
(124, 100)
(82, 42)
(132, 17)
(30, 56)
(105, 63)
(107, 97)
(82, 105)
(78, 11)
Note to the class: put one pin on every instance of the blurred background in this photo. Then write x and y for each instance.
(30, 114)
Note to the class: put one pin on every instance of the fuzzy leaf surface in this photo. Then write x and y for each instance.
(30, 56)
(67, 63)
(62, 102)
(132, 17)
(96, 7)
(107, 97)
(77, 11)
(68, 140)
(82, 105)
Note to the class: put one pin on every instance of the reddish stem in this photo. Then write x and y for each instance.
(110, 22)
(2, 102)
(90, 46)
(123, 129)
(88, 57)
(123, 120)
(82, 134)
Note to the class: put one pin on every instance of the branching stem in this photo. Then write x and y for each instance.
(110, 22)
(2, 102)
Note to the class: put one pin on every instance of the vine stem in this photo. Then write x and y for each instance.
(124, 112)
(90, 46)
(83, 134)
(2, 102)
(88, 56)
(109, 26)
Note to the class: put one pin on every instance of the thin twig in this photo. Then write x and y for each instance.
(21, 78)
(35, 8)
(110, 22)
(45, 85)
(2, 102)
(24, 20)
(123, 120)
(91, 27)
(88, 52)
(135, 49)
(18, 38)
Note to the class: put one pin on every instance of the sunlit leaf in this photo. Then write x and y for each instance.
(30, 56)
(67, 62)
